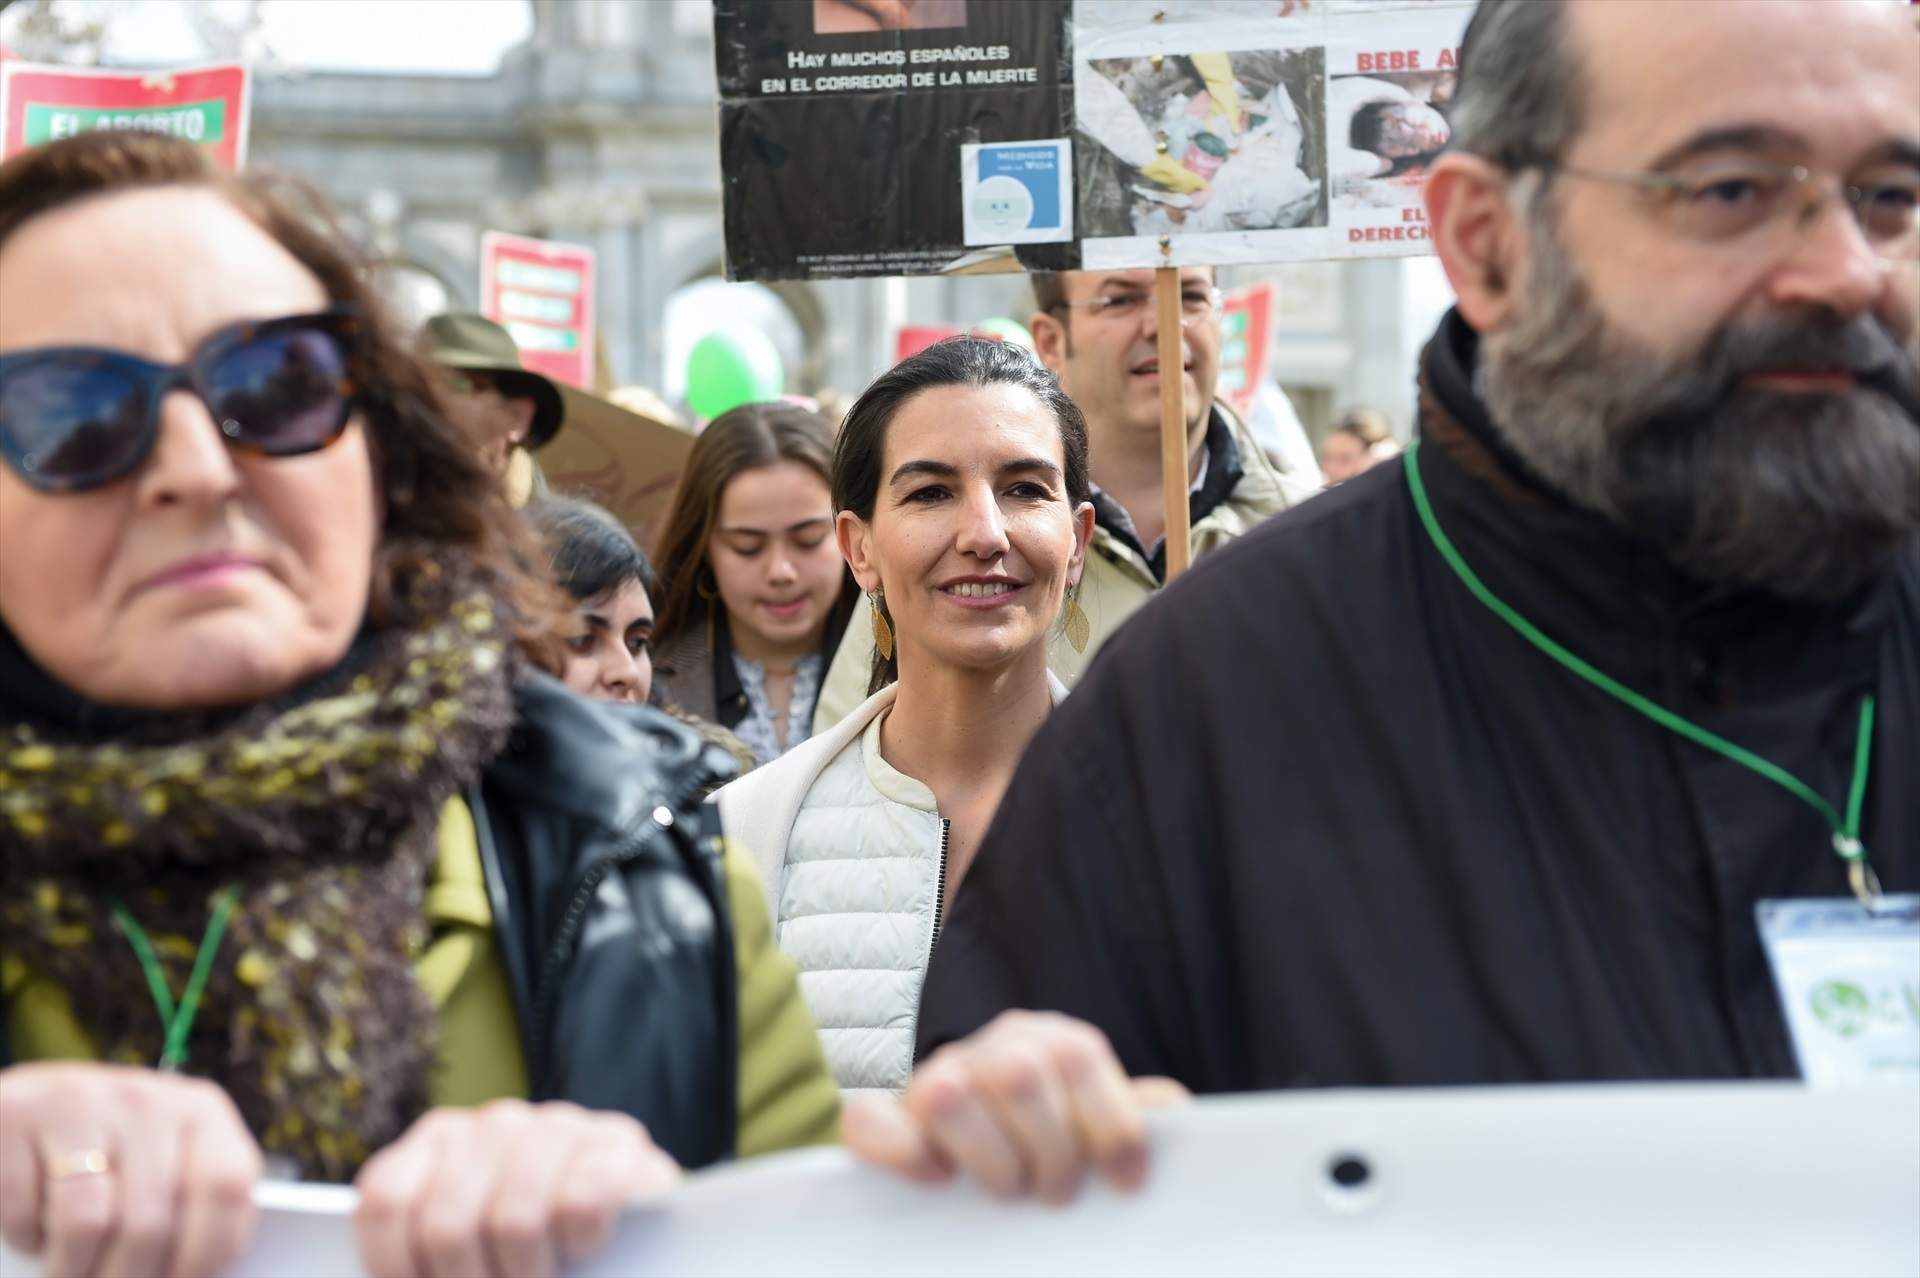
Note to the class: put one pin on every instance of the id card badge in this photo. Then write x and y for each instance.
(1849, 983)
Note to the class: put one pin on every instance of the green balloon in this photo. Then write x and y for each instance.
(1007, 330)
(726, 370)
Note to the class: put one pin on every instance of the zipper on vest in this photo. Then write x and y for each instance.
(940, 884)
(939, 902)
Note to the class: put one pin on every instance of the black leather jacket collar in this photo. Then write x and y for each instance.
(611, 914)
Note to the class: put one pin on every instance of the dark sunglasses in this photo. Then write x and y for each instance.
(77, 417)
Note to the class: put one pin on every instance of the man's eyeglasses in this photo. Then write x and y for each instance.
(1124, 304)
(79, 417)
(1734, 202)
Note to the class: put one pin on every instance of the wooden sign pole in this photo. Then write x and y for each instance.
(1173, 419)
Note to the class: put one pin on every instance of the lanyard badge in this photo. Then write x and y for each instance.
(1849, 984)
(1848, 971)
(1845, 824)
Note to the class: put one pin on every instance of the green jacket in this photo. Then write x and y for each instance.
(787, 1096)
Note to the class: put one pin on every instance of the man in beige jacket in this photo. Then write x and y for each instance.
(1097, 331)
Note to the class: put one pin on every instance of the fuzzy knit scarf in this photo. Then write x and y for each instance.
(321, 814)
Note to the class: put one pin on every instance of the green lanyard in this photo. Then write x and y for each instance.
(1846, 830)
(178, 1021)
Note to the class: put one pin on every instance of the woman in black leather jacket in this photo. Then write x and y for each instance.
(283, 809)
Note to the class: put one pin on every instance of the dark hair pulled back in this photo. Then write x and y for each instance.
(593, 553)
(860, 449)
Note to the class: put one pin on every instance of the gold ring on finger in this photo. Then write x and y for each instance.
(79, 1162)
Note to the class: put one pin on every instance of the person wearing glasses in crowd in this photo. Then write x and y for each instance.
(754, 595)
(1098, 333)
(1626, 644)
(304, 868)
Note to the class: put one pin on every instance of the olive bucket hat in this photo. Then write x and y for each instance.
(465, 342)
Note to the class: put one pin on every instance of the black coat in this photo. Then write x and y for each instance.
(612, 917)
(1317, 817)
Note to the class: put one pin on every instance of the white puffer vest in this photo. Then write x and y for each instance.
(852, 853)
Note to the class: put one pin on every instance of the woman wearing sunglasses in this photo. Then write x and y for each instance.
(302, 869)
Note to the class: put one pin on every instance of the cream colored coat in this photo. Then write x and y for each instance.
(852, 855)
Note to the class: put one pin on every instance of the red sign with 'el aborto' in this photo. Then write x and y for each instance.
(207, 105)
(1246, 320)
(542, 292)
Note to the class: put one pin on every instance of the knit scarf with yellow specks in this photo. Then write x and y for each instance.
(321, 813)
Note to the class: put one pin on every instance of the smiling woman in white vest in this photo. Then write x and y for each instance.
(961, 498)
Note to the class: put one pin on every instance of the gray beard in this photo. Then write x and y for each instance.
(1807, 496)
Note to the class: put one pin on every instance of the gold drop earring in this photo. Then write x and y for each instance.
(882, 632)
(1077, 627)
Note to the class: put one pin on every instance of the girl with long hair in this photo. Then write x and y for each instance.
(753, 592)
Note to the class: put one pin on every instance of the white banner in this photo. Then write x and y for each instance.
(1674, 1180)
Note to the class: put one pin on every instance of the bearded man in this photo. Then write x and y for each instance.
(1479, 768)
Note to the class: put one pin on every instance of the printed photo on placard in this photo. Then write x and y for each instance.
(1390, 91)
(1384, 130)
(1097, 17)
(851, 17)
(1201, 142)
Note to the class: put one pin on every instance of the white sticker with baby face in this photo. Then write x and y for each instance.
(1017, 192)
(1849, 984)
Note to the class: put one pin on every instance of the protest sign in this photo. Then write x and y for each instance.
(1388, 94)
(208, 105)
(843, 126)
(1246, 326)
(1276, 106)
(622, 460)
(860, 138)
(543, 293)
(1669, 1179)
(1204, 128)
(911, 339)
